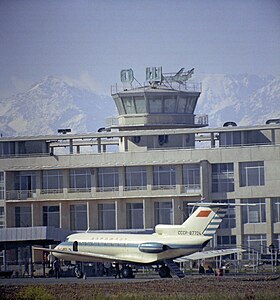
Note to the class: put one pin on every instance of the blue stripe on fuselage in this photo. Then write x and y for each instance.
(129, 245)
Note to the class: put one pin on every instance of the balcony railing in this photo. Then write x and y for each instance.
(24, 195)
(79, 190)
(164, 187)
(107, 189)
(20, 194)
(135, 188)
(51, 191)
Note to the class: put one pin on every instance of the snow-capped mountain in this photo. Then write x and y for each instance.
(53, 103)
(244, 99)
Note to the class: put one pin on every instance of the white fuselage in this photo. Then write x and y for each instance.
(137, 248)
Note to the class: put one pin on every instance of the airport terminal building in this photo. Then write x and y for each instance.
(144, 168)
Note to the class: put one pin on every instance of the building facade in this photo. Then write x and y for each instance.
(144, 168)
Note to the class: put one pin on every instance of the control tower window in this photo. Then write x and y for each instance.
(169, 104)
(129, 105)
(182, 105)
(190, 105)
(186, 105)
(155, 105)
(120, 106)
(140, 104)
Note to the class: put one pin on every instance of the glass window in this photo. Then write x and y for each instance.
(119, 105)
(182, 105)
(255, 243)
(225, 240)
(51, 216)
(222, 177)
(276, 241)
(254, 214)
(229, 220)
(169, 105)
(155, 105)
(140, 104)
(134, 214)
(25, 181)
(276, 209)
(80, 180)
(52, 181)
(128, 105)
(106, 216)
(2, 217)
(135, 178)
(7, 148)
(164, 177)
(163, 212)
(23, 216)
(191, 177)
(190, 105)
(78, 217)
(2, 186)
(108, 179)
(252, 173)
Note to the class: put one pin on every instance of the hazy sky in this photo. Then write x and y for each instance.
(92, 40)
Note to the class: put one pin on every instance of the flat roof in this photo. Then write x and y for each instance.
(38, 235)
(129, 133)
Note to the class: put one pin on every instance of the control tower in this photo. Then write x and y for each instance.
(164, 101)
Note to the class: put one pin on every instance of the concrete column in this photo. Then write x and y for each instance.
(269, 221)
(39, 183)
(239, 224)
(148, 207)
(120, 207)
(64, 215)
(93, 215)
(177, 213)
(93, 178)
(65, 180)
(121, 171)
(149, 178)
(37, 214)
(179, 178)
(10, 216)
(206, 179)
(236, 176)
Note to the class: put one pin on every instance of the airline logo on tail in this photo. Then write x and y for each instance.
(203, 214)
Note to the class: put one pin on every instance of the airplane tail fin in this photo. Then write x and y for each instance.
(205, 220)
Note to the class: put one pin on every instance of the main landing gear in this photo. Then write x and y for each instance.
(124, 272)
(127, 272)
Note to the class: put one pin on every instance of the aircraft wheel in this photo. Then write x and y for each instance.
(127, 272)
(164, 272)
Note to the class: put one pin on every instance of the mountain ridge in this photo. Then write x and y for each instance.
(53, 103)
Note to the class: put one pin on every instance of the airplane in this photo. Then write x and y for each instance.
(168, 243)
(180, 77)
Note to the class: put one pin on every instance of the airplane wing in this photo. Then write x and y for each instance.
(93, 257)
(88, 255)
(209, 254)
